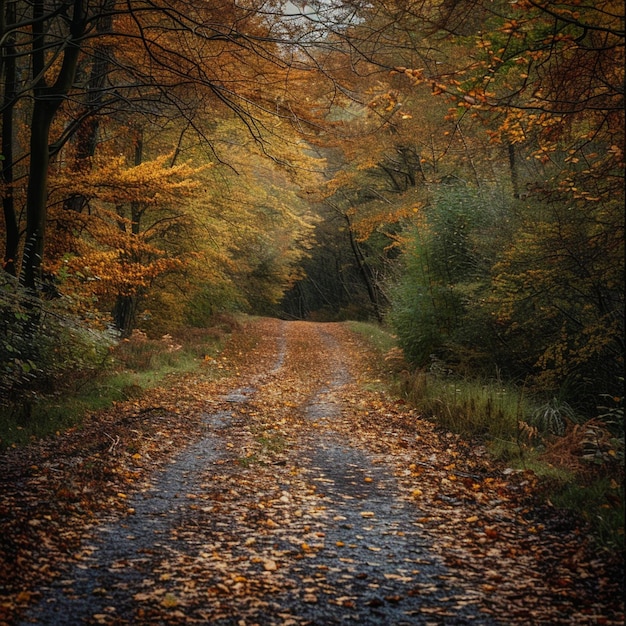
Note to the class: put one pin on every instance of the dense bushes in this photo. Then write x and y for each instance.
(534, 290)
(42, 348)
(439, 304)
(54, 369)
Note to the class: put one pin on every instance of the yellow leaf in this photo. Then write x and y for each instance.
(169, 601)
(472, 519)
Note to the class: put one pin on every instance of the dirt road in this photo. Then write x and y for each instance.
(293, 492)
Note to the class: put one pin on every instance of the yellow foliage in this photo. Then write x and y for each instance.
(114, 182)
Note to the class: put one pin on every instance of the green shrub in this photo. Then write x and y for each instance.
(131, 367)
(553, 416)
(43, 348)
(438, 303)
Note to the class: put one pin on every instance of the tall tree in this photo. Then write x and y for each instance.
(542, 82)
(48, 93)
(8, 76)
(161, 59)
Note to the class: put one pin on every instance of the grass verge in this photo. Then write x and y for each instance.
(133, 367)
(579, 464)
(377, 336)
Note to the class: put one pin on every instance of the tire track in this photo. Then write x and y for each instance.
(116, 565)
(375, 566)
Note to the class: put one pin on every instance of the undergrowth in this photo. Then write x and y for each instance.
(377, 336)
(579, 462)
(131, 367)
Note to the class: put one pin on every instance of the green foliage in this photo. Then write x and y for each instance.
(43, 348)
(376, 335)
(417, 316)
(611, 412)
(132, 366)
(17, 366)
(487, 409)
(553, 416)
(601, 504)
(557, 294)
(206, 302)
(534, 289)
(438, 302)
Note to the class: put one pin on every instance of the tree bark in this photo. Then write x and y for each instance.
(366, 272)
(47, 100)
(126, 305)
(7, 58)
(87, 136)
(514, 173)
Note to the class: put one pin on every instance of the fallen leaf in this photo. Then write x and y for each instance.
(169, 601)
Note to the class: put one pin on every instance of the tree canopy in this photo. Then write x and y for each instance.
(455, 168)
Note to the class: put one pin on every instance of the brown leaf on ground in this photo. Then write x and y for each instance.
(314, 494)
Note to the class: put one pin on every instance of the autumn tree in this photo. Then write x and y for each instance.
(159, 59)
(548, 81)
(80, 83)
(128, 238)
(393, 146)
(533, 120)
(253, 229)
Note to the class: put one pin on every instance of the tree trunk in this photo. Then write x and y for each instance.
(47, 101)
(10, 77)
(366, 272)
(124, 314)
(36, 209)
(514, 173)
(126, 304)
(87, 136)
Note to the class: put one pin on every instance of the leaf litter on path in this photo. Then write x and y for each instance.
(286, 495)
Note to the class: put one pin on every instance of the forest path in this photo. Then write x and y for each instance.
(292, 492)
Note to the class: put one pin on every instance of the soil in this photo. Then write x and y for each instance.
(293, 490)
